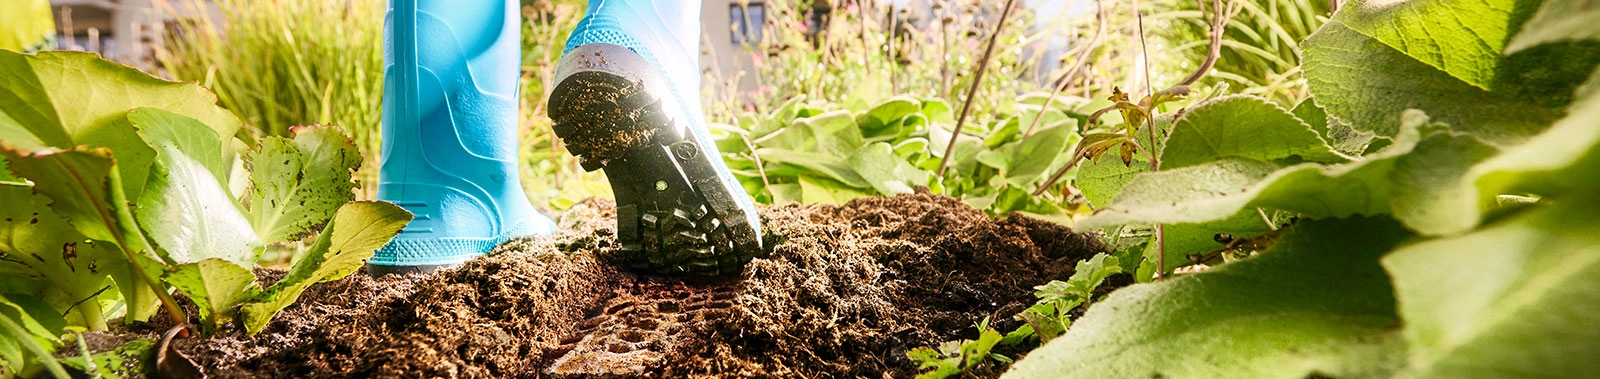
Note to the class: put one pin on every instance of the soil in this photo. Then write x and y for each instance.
(845, 292)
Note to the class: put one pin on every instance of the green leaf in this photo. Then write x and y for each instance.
(128, 360)
(1031, 159)
(1221, 189)
(1361, 81)
(1101, 179)
(832, 134)
(1183, 240)
(1515, 299)
(216, 286)
(824, 191)
(77, 183)
(298, 184)
(1340, 136)
(185, 209)
(888, 112)
(1318, 304)
(24, 340)
(357, 231)
(1562, 160)
(1464, 39)
(1243, 126)
(5, 174)
(56, 263)
(1431, 194)
(886, 172)
(61, 99)
(1557, 21)
(834, 167)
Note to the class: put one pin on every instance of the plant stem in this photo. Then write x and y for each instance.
(977, 82)
(127, 225)
(1150, 119)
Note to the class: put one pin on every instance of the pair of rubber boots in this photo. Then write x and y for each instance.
(626, 102)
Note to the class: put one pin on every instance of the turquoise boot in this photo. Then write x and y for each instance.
(628, 101)
(450, 132)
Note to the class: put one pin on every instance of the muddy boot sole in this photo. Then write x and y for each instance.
(675, 214)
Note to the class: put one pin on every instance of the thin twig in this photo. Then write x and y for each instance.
(1077, 65)
(1155, 158)
(977, 81)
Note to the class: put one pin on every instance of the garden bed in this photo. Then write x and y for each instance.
(846, 292)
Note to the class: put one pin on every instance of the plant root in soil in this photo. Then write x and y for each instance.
(845, 292)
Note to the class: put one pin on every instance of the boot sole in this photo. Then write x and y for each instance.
(674, 213)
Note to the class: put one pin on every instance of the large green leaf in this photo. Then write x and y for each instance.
(885, 172)
(1246, 127)
(1318, 304)
(185, 208)
(1515, 299)
(1221, 189)
(357, 231)
(1101, 179)
(216, 286)
(296, 185)
(833, 133)
(1462, 38)
(51, 260)
(1368, 84)
(79, 183)
(61, 100)
(834, 167)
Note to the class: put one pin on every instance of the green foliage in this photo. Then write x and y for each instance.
(955, 357)
(297, 184)
(357, 231)
(79, 226)
(1317, 304)
(128, 360)
(814, 151)
(24, 340)
(1405, 261)
(1048, 318)
(283, 63)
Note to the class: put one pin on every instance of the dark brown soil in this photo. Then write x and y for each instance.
(846, 291)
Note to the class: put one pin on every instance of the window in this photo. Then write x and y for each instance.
(747, 21)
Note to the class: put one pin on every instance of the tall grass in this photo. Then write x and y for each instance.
(1260, 50)
(282, 63)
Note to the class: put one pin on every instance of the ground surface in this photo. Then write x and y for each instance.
(846, 291)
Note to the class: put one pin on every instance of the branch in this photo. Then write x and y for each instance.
(977, 81)
(1072, 74)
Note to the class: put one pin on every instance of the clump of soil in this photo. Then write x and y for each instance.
(845, 292)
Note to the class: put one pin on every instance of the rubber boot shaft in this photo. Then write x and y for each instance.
(450, 130)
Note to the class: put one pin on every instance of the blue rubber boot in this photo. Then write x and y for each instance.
(628, 100)
(450, 132)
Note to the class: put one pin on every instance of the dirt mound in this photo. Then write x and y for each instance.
(845, 292)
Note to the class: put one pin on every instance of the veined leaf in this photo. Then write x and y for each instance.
(1316, 304)
(1515, 299)
(1222, 189)
(885, 171)
(1464, 39)
(833, 133)
(185, 208)
(1362, 81)
(834, 167)
(22, 337)
(357, 231)
(53, 261)
(1247, 127)
(298, 184)
(62, 99)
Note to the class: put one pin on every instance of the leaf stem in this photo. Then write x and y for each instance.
(977, 82)
(127, 225)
